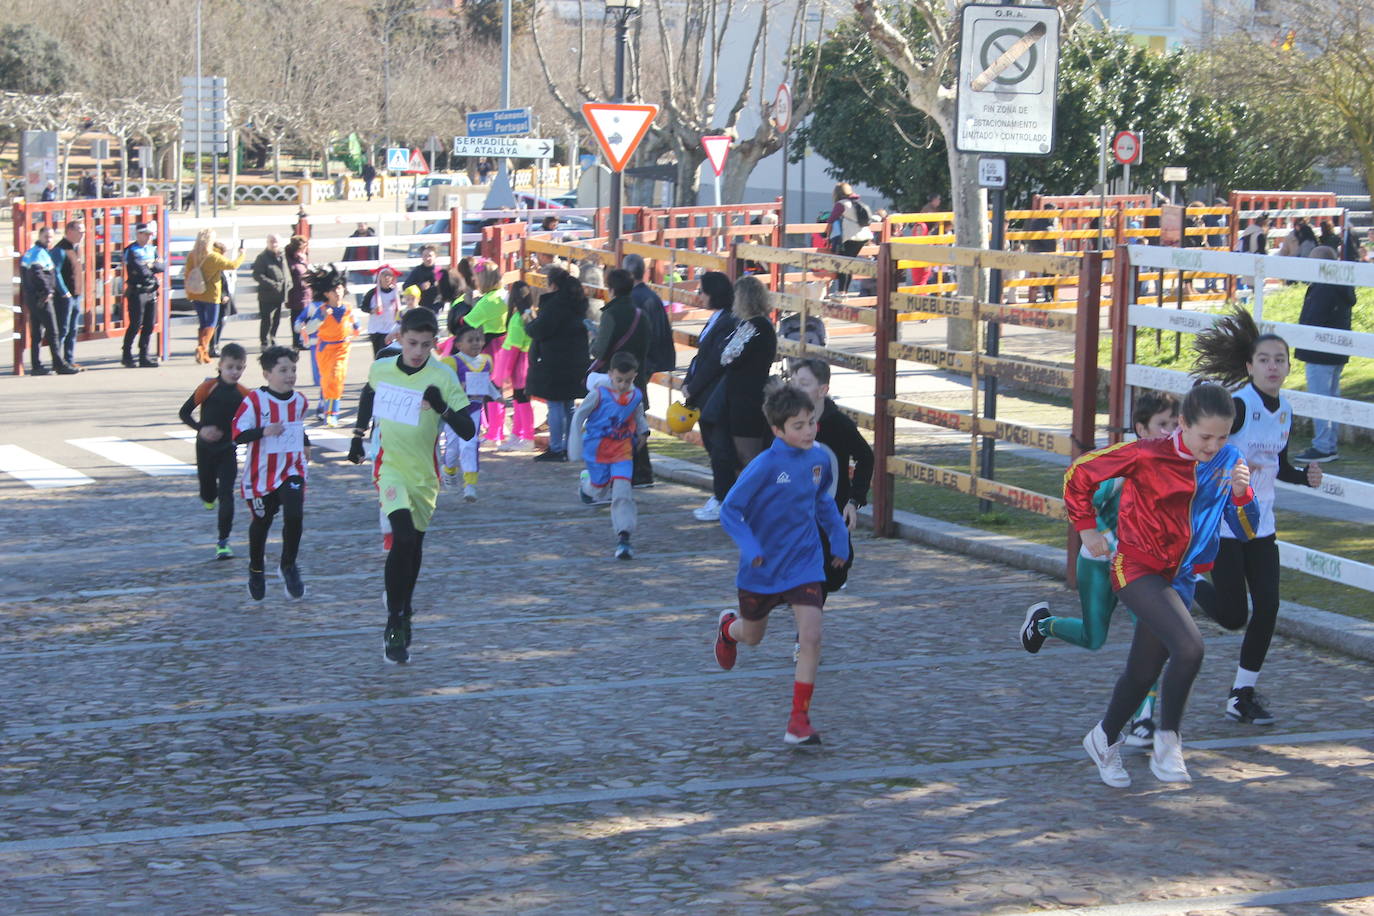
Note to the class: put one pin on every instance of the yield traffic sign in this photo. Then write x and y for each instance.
(717, 148)
(397, 158)
(619, 128)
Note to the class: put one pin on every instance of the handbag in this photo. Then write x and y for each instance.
(599, 364)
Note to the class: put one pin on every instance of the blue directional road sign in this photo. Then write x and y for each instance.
(502, 123)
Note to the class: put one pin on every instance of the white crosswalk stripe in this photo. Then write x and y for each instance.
(132, 454)
(37, 471)
(120, 453)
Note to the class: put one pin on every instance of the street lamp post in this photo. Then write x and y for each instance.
(622, 11)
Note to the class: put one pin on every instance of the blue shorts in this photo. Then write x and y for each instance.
(601, 475)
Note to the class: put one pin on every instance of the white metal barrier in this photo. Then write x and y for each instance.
(1340, 410)
(394, 230)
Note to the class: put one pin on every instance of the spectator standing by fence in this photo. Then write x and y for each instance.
(41, 284)
(1326, 305)
(360, 277)
(558, 356)
(1046, 224)
(141, 268)
(69, 256)
(273, 279)
(747, 357)
(704, 376)
(662, 355)
(298, 293)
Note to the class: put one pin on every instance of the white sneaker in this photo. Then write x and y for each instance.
(1107, 757)
(469, 493)
(450, 477)
(510, 444)
(1166, 760)
(709, 512)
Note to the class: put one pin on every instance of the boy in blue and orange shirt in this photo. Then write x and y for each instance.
(775, 513)
(606, 429)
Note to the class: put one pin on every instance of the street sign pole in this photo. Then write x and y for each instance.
(782, 120)
(1101, 185)
(998, 199)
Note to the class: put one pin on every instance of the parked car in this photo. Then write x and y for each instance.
(439, 228)
(418, 198)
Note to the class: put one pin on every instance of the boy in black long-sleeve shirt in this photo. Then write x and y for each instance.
(216, 464)
(837, 432)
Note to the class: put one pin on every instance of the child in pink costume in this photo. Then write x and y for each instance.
(489, 313)
(512, 365)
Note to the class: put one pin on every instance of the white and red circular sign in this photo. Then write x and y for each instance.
(782, 108)
(1126, 147)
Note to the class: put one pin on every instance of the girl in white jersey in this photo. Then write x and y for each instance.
(1234, 352)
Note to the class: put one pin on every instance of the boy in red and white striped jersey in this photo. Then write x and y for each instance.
(271, 423)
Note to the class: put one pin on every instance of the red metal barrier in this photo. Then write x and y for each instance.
(108, 225)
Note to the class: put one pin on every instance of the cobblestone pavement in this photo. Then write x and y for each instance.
(563, 741)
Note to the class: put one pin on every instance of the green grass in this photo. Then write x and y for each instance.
(1343, 538)
(1280, 305)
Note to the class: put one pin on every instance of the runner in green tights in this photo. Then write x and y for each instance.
(1155, 416)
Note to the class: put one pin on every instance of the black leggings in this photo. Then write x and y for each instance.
(520, 396)
(217, 469)
(378, 342)
(1164, 631)
(290, 498)
(1226, 599)
(403, 562)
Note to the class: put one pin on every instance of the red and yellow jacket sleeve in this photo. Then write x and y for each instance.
(1087, 472)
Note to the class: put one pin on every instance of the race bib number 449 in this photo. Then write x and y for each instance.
(400, 405)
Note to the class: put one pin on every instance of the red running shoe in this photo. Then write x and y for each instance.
(799, 731)
(726, 652)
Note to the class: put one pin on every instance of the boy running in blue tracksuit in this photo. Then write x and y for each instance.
(772, 513)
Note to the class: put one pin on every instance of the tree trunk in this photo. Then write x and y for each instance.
(970, 221)
(688, 178)
(276, 158)
(739, 165)
(326, 162)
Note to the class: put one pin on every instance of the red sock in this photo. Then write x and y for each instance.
(801, 697)
(725, 629)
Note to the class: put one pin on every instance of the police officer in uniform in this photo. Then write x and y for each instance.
(141, 268)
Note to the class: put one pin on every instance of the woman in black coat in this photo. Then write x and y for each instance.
(704, 376)
(748, 357)
(558, 356)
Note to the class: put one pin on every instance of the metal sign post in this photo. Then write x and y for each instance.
(1005, 103)
(782, 120)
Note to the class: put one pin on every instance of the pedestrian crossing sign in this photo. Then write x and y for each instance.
(417, 164)
(398, 159)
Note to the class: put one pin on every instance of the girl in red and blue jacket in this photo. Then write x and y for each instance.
(1178, 492)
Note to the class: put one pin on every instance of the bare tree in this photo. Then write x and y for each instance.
(1321, 51)
(928, 70)
(688, 42)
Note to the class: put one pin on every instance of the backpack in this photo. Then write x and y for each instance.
(861, 214)
(194, 280)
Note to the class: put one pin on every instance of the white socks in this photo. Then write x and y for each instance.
(1245, 678)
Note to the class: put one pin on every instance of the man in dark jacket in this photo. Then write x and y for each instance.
(369, 176)
(273, 279)
(662, 355)
(141, 268)
(68, 257)
(40, 283)
(1326, 305)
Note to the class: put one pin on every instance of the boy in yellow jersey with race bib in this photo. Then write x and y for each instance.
(408, 397)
